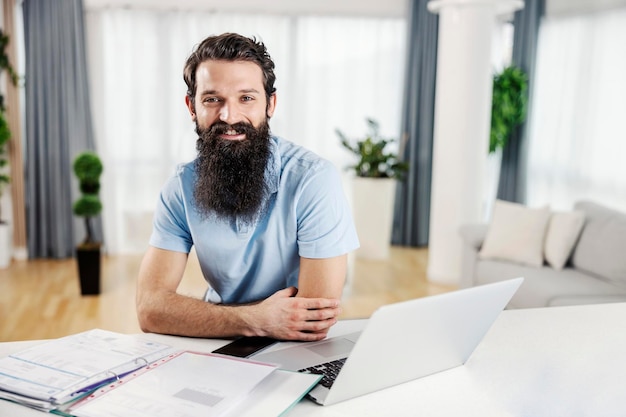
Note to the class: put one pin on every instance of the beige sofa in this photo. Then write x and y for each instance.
(595, 271)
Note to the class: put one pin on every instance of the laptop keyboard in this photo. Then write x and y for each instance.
(329, 370)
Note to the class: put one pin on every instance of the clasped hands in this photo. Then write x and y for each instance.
(284, 316)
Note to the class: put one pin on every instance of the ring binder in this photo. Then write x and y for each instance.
(116, 376)
(77, 364)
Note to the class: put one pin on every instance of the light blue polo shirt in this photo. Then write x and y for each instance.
(306, 215)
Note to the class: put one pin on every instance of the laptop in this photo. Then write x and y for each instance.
(400, 342)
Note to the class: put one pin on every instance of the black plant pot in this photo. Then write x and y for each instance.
(89, 270)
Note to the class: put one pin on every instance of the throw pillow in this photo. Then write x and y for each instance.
(563, 232)
(516, 233)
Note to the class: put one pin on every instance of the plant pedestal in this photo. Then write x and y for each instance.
(373, 201)
(5, 245)
(89, 270)
(492, 178)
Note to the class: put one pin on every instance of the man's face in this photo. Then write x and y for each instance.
(230, 92)
(231, 115)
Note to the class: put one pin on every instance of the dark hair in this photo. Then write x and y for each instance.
(230, 47)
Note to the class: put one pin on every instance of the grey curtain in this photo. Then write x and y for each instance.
(412, 205)
(58, 124)
(512, 184)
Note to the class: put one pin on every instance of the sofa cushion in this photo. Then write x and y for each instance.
(516, 233)
(602, 243)
(545, 286)
(563, 231)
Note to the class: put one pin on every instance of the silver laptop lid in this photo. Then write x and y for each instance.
(412, 339)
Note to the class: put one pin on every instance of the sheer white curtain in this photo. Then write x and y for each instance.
(331, 72)
(577, 145)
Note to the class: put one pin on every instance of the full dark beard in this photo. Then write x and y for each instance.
(231, 174)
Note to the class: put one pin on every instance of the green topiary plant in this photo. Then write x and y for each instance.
(508, 106)
(373, 161)
(88, 168)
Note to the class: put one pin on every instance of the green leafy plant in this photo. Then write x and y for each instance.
(373, 161)
(5, 64)
(88, 168)
(5, 132)
(508, 106)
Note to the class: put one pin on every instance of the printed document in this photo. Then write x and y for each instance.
(187, 385)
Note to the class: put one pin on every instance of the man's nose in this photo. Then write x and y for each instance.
(229, 114)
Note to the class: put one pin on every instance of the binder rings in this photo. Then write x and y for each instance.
(62, 370)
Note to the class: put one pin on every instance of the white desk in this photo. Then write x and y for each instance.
(558, 361)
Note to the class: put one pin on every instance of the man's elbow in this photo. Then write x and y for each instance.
(147, 315)
(145, 321)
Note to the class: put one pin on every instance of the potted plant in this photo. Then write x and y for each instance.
(88, 168)
(373, 189)
(5, 137)
(372, 160)
(508, 110)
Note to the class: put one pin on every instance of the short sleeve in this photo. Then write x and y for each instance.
(324, 219)
(170, 227)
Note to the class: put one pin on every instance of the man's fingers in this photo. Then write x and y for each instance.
(308, 336)
(319, 303)
(308, 303)
(322, 314)
(286, 317)
(319, 325)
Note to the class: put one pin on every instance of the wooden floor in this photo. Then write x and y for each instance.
(41, 299)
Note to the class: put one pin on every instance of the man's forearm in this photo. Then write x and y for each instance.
(281, 316)
(172, 313)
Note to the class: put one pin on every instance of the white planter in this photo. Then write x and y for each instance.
(5, 245)
(492, 178)
(372, 202)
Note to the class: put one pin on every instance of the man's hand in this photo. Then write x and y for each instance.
(286, 317)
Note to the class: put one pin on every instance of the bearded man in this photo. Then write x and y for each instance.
(267, 218)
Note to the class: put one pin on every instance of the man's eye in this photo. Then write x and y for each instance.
(211, 100)
(247, 98)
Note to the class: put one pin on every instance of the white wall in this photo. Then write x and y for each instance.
(565, 7)
(378, 8)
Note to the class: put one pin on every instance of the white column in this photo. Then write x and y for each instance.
(461, 131)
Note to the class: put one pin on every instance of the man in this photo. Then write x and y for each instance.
(268, 219)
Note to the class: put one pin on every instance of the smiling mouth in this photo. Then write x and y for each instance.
(232, 134)
(235, 132)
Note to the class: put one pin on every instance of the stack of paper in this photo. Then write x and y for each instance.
(60, 371)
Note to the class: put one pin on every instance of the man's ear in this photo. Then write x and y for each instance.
(271, 105)
(191, 107)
